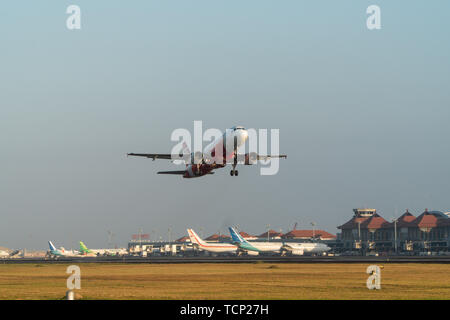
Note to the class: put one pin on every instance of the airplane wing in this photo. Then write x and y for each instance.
(271, 156)
(253, 157)
(166, 156)
(184, 154)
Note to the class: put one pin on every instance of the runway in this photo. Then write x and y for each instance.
(243, 259)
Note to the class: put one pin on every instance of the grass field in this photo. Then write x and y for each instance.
(226, 281)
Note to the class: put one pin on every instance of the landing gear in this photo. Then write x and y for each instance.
(234, 173)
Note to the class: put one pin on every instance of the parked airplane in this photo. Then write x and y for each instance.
(211, 247)
(216, 155)
(293, 248)
(97, 252)
(255, 246)
(4, 254)
(61, 252)
(16, 252)
(306, 247)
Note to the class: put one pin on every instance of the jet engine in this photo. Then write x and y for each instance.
(197, 157)
(250, 158)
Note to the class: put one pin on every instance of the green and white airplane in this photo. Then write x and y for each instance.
(84, 250)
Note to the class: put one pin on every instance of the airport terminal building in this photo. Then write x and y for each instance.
(367, 231)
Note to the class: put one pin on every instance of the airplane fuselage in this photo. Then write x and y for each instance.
(211, 247)
(261, 246)
(302, 248)
(218, 153)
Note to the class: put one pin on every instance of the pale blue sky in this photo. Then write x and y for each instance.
(363, 115)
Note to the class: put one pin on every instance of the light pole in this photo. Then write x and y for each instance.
(268, 228)
(140, 238)
(359, 230)
(359, 237)
(395, 234)
(314, 231)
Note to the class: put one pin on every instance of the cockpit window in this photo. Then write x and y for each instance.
(237, 128)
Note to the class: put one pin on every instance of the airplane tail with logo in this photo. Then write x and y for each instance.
(83, 248)
(52, 247)
(195, 238)
(236, 236)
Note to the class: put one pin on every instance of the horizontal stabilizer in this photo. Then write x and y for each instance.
(172, 172)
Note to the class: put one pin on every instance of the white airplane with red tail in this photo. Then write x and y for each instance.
(211, 247)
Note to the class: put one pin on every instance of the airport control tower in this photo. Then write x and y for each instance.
(364, 213)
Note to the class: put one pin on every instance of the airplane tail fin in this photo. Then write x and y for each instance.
(52, 247)
(185, 149)
(236, 236)
(83, 248)
(195, 238)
